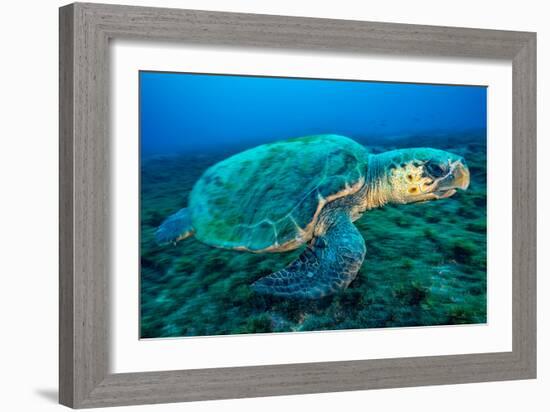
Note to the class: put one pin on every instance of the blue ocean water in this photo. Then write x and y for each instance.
(425, 262)
(199, 112)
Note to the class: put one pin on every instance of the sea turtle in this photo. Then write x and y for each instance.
(279, 196)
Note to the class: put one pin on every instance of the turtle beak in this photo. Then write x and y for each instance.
(461, 176)
(458, 178)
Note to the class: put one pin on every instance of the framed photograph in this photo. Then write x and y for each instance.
(257, 205)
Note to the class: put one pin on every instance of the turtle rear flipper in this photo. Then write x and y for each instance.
(328, 264)
(175, 228)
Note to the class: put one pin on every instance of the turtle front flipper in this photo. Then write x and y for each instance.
(329, 263)
(175, 228)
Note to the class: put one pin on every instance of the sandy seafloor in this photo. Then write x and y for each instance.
(425, 263)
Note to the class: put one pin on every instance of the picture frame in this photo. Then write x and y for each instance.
(84, 355)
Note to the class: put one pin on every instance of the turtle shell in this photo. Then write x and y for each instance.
(268, 198)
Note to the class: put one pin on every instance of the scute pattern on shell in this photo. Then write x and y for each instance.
(264, 198)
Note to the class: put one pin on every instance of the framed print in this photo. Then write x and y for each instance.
(257, 205)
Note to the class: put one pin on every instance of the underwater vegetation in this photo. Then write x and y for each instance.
(425, 263)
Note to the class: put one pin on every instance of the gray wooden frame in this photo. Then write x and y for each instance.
(85, 31)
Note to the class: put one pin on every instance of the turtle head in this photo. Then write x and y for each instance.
(421, 174)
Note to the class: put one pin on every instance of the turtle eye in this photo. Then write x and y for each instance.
(435, 169)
